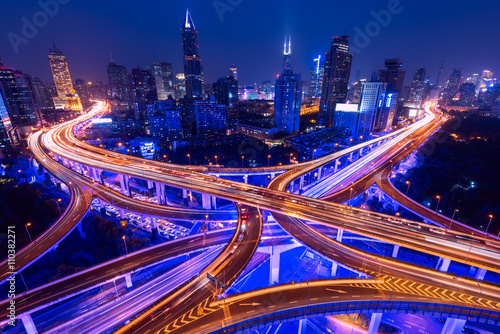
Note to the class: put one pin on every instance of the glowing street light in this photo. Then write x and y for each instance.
(26, 225)
(242, 157)
(268, 157)
(453, 216)
(189, 156)
(216, 161)
(408, 188)
(439, 200)
(491, 218)
(125, 242)
(57, 202)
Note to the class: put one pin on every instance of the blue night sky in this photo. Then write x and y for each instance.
(251, 35)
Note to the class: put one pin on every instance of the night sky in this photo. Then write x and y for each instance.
(251, 35)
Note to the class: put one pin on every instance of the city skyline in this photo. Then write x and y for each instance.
(89, 56)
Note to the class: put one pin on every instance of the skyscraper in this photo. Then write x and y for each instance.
(66, 95)
(193, 70)
(41, 94)
(466, 94)
(287, 97)
(393, 75)
(377, 107)
(6, 140)
(451, 87)
(143, 87)
(164, 79)
(17, 93)
(336, 78)
(226, 91)
(317, 72)
(234, 72)
(210, 117)
(180, 86)
(119, 83)
(417, 87)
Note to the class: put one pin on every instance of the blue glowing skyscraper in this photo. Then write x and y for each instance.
(287, 96)
(193, 70)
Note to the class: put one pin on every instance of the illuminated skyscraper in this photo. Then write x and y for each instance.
(180, 85)
(234, 72)
(287, 96)
(119, 83)
(451, 88)
(417, 87)
(66, 95)
(164, 79)
(377, 107)
(336, 78)
(193, 70)
(317, 72)
(142, 83)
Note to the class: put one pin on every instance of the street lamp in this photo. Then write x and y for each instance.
(453, 216)
(57, 202)
(125, 242)
(189, 156)
(439, 200)
(408, 188)
(216, 161)
(350, 197)
(26, 225)
(268, 157)
(242, 157)
(491, 218)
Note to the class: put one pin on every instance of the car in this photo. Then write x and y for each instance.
(414, 225)
(437, 230)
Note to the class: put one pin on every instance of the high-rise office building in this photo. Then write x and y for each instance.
(166, 124)
(164, 79)
(451, 88)
(234, 72)
(354, 92)
(42, 95)
(466, 95)
(210, 118)
(417, 87)
(143, 86)
(287, 96)
(16, 89)
(335, 80)
(377, 107)
(392, 74)
(6, 140)
(317, 72)
(225, 91)
(180, 86)
(485, 81)
(119, 83)
(66, 95)
(193, 70)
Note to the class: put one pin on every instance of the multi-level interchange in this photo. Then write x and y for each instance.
(192, 303)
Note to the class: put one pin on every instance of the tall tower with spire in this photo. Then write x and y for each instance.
(287, 96)
(193, 71)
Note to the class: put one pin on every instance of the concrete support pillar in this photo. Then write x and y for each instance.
(245, 178)
(122, 184)
(301, 185)
(302, 326)
(335, 266)
(150, 184)
(154, 228)
(274, 270)
(128, 281)
(273, 175)
(443, 264)
(336, 166)
(370, 146)
(374, 323)
(122, 213)
(29, 325)
(159, 194)
(480, 273)
(340, 233)
(319, 173)
(205, 201)
(453, 326)
(94, 174)
(361, 152)
(214, 202)
(80, 230)
(350, 156)
(395, 251)
(184, 193)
